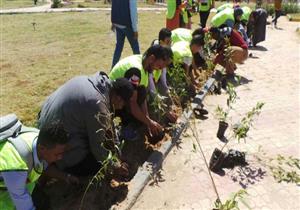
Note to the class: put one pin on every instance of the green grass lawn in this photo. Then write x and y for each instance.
(36, 62)
(96, 4)
(39, 52)
(11, 4)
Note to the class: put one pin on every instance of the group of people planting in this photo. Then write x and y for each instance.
(76, 122)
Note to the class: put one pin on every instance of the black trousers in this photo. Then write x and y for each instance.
(277, 15)
(203, 17)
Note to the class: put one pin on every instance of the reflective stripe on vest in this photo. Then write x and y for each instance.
(181, 34)
(180, 50)
(171, 8)
(221, 17)
(11, 160)
(204, 5)
(134, 61)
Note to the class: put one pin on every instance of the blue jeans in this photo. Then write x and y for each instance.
(120, 35)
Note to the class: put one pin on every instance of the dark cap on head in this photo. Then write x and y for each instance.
(160, 52)
(123, 88)
(238, 12)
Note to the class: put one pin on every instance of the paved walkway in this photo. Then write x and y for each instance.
(47, 9)
(272, 78)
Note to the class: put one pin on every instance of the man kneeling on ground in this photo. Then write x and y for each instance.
(85, 105)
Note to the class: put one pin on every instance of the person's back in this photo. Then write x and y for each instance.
(225, 17)
(76, 104)
(182, 53)
(181, 34)
(133, 61)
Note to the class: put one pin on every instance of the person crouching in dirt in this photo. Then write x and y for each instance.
(85, 105)
(136, 69)
(158, 78)
(185, 55)
(19, 172)
(230, 48)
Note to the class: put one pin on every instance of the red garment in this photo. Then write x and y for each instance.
(237, 40)
(173, 23)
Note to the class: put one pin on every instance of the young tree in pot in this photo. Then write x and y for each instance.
(222, 114)
(220, 159)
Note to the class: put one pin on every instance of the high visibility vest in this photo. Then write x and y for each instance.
(180, 50)
(224, 6)
(181, 34)
(156, 75)
(221, 17)
(246, 13)
(11, 160)
(184, 15)
(134, 61)
(205, 5)
(171, 8)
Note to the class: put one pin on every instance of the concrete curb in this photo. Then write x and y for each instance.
(154, 162)
(51, 10)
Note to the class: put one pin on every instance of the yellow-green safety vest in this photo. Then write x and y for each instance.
(205, 5)
(11, 160)
(171, 8)
(180, 50)
(221, 17)
(134, 61)
(184, 14)
(181, 34)
(224, 6)
(246, 13)
(156, 75)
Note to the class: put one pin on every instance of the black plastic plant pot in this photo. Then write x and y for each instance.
(218, 75)
(216, 160)
(222, 128)
(156, 138)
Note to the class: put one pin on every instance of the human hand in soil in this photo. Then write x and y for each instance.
(70, 179)
(154, 128)
(172, 116)
(121, 169)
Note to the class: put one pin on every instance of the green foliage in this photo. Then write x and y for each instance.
(232, 203)
(56, 4)
(177, 81)
(290, 7)
(285, 169)
(241, 128)
(158, 106)
(222, 113)
(194, 148)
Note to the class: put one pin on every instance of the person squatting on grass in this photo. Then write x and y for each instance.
(228, 54)
(19, 174)
(124, 20)
(136, 69)
(85, 105)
